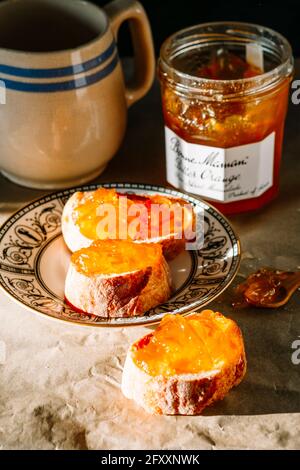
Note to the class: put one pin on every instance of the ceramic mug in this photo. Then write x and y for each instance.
(63, 116)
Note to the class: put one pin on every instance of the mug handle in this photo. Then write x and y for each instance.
(119, 11)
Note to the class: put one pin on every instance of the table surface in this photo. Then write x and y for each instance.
(60, 383)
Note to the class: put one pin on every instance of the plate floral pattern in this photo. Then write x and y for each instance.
(33, 260)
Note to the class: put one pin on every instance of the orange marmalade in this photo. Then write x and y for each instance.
(134, 219)
(201, 342)
(115, 257)
(225, 91)
(261, 289)
(85, 214)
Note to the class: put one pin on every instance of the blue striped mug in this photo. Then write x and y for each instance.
(63, 99)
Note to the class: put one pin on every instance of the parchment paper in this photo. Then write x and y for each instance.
(60, 386)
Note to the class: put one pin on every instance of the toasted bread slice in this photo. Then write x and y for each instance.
(117, 278)
(186, 364)
(81, 220)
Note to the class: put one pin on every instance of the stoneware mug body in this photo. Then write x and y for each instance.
(63, 105)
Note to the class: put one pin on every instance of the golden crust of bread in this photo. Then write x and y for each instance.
(123, 294)
(184, 393)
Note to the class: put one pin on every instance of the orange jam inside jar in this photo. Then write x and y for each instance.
(225, 89)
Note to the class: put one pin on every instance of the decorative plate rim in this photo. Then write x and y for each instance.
(147, 321)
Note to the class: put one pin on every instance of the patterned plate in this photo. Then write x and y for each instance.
(34, 260)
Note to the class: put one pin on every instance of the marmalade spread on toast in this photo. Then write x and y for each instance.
(201, 342)
(132, 216)
(115, 257)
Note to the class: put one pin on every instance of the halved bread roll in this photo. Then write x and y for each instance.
(117, 278)
(186, 364)
(81, 219)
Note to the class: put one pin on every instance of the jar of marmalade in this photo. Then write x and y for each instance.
(225, 90)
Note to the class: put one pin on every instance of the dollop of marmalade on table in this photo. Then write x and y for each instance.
(201, 342)
(261, 288)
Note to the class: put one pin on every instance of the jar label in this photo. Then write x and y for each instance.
(226, 175)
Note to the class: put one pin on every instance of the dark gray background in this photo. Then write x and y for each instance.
(168, 16)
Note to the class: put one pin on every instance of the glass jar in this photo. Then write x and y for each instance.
(225, 89)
